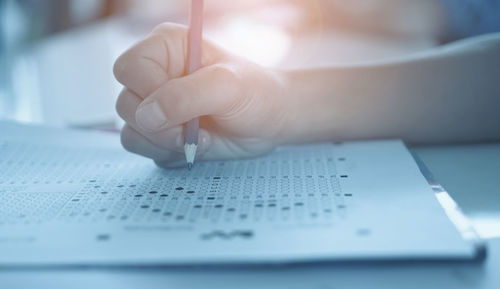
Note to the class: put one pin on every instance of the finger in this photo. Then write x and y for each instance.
(221, 148)
(126, 106)
(171, 149)
(158, 58)
(211, 90)
(136, 143)
(171, 139)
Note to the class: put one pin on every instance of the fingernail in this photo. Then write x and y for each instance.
(150, 116)
(205, 140)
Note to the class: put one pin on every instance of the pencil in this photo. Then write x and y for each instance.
(194, 63)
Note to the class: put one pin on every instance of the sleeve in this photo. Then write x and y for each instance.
(466, 18)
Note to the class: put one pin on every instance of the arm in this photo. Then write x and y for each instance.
(448, 94)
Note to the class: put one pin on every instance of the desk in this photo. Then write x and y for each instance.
(471, 173)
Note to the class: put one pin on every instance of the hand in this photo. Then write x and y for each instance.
(242, 106)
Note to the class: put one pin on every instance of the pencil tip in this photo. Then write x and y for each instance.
(190, 152)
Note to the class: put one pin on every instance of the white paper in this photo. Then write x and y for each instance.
(72, 197)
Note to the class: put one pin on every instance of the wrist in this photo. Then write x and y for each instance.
(313, 105)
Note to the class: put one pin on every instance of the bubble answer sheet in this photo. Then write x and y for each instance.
(70, 197)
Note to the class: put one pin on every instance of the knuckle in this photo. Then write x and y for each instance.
(125, 106)
(225, 72)
(120, 106)
(168, 28)
(127, 139)
(227, 75)
(119, 68)
(174, 42)
(127, 61)
(142, 65)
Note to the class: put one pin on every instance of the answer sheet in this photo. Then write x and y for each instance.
(76, 197)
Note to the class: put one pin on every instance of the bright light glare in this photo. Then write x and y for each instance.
(486, 226)
(264, 44)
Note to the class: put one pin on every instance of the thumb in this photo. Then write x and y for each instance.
(209, 91)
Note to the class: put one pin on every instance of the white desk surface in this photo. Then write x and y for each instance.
(471, 173)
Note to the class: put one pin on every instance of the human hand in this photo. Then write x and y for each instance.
(242, 106)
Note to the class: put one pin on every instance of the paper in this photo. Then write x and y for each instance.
(72, 197)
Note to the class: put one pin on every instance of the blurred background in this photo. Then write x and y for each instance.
(57, 55)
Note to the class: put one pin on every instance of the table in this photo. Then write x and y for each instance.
(471, 174)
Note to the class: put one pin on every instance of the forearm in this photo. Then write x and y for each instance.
(450, 94)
